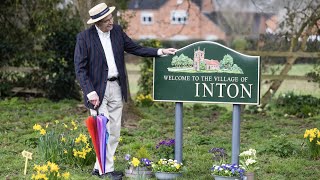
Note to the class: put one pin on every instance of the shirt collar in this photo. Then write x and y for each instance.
(104, 34)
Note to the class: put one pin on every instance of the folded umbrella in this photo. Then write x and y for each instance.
(97, 127)
(103, 138)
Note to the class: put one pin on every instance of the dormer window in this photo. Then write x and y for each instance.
(179, 17)
(146, 18)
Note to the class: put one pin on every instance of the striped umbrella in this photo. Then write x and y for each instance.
(97, 127)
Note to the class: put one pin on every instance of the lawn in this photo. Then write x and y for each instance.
(278, 139)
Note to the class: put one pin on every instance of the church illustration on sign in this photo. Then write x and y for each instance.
(183, 63)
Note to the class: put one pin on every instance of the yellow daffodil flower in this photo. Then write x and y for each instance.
(43, 132)
(66, 175)
(37, 127)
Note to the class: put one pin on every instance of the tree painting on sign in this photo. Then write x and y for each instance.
(184, 63)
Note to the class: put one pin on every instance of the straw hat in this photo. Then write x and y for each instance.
(99, 12)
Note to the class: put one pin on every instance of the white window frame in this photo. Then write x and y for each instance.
(176, 14)
(145, 15)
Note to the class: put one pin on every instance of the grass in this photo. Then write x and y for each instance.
(282, 153)
(278, 140)
(302, 87)
(297, 69)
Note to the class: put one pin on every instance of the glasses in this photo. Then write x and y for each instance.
(107, 21)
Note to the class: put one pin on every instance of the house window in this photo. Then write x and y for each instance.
(146, 18)
(179, 17)
(179, 2)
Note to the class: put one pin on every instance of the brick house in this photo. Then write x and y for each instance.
(186, 20)
(170, 20)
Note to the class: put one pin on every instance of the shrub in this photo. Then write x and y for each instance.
(298, 105)
(280, 146)
(145, 81)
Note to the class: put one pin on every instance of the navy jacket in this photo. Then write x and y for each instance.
(91, 65)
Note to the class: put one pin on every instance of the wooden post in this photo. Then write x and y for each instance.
(27, 155)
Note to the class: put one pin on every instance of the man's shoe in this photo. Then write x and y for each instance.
(118, 173)
(112, 175)
(95, 172)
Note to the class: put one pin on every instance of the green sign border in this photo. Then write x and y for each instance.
(179, 100)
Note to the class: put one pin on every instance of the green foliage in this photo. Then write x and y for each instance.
(182, 61)
(211, 124)
(64, 145)
(298, 105)
(165, 149)
(164, 165)
(312, 137)
(145, 81)
(142, 153)
(226, 62)
(280, 146)
(315, 74)
(44, 39)
(236, 69)
(6, 83)
(239, 44)
(144, 100)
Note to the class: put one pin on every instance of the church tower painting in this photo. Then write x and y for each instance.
(197, 58)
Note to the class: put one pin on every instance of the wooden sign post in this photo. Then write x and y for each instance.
(27, 155)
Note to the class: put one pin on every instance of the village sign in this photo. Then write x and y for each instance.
(207, 72)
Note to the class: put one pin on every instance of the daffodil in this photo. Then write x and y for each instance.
(37, 127)
(66, 175)
(43, 132)
(53, 167)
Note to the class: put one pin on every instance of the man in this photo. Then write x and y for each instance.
(100, 69)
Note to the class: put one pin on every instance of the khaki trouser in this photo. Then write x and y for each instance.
(111, 107)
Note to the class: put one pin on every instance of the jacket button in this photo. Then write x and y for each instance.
(105, 81)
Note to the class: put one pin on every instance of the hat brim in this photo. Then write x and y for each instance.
(91, 21)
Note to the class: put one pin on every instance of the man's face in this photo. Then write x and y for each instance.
(105, 24)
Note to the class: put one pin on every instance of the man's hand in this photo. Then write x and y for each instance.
(94, 99)
(169, 51)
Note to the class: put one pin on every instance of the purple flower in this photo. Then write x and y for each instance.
(169, 142)
(127, 157)
(225, 169)
(146, 161)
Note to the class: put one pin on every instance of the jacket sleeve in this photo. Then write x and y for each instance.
(133, 48)
(81, 65)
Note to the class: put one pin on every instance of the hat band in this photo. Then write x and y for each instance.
(100, 14)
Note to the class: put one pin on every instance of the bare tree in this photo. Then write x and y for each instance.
(299, 18)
